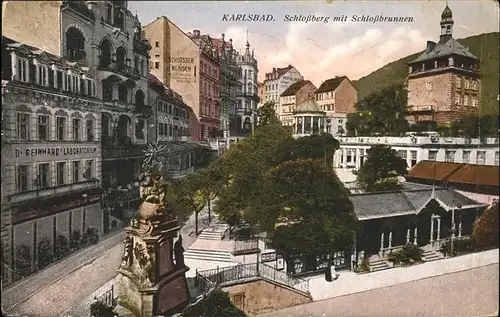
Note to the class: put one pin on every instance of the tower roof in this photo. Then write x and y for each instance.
(446, 13)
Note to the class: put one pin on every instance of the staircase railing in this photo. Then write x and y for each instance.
(221, 276)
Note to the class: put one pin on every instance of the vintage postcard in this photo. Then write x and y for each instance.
(309, 158)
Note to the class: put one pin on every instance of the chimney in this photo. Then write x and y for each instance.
(430, 46)
(196, 33)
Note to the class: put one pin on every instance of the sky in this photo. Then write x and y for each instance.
(324, 50)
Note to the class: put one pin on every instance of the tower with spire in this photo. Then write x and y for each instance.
(444, 81)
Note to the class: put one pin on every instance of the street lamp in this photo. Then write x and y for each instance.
(459, 207)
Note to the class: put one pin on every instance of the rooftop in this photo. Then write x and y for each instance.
(295, 87)
(451, 47)
(331, 84)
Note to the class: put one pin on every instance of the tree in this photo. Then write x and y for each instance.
(381, 112)
(486, 232)
(267, 114)
(307, 206)
(475, 126)
(216, 304)
(380, 171)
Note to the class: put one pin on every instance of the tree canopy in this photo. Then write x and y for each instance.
(381, 112)
(486, 232)
(216, 304)
(272, 179)
(267, 114)
(381, 170)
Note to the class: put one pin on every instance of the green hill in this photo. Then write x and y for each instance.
(484, 46)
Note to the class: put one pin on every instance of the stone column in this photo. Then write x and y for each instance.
(415, 235)
(408, 234)
(432, 228)
(64, 80)
(358, 159)
(344, 156)
(46, 70)
(382, 241)
(390, 238)
(460, 228)
(303, 124)
(439, 228)
(37, 74)
(55, 77)
(16, 73)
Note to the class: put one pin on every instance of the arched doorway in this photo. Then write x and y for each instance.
(123, 130)
(121, 55)
(105, 125)
(75, 45)
(139, 98)
(106, 49)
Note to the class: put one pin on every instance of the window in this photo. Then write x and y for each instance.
(402, 154)
(76, 171)
(90, 130)
(139, 129)
(497, 158)
(157, 65)
(475, 85)
(61, 128)
(413, 157)
(428, 85)
(459, 82)
(433, 155)
(76, 129)
(481, 157)
(22, 67)
(450, 156)
(43, 127)
(239, 301)
(475, 101)
(157, 44)
(89, 171)
(61, 173)
(22, 177)
(466, 84)
(42, 180)
(23, 125)
(457, 99)
(466, 100)
(466, 157)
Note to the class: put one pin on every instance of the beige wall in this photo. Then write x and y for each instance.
(35, 23)
(346, 97)
(306, 92)
(439, 96)
(261, 296)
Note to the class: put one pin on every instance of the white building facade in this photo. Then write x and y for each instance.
(353, 150)
(278, 81)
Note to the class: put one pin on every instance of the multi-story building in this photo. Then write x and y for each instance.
(277, 81)
(352, 152)
(260, 87)
(51, 158)
(188, 64)
(444, 81)
(209, 70)
(337, 97)
(294, 95)
(83, 50)
(172, 128)
(247, 95)
(229, 77)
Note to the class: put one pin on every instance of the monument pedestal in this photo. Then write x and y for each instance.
(150, 282)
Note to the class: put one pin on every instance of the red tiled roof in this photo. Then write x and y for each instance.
(456, 173)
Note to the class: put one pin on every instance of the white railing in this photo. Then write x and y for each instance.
(415, 140)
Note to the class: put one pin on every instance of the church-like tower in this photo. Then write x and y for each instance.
(444, 81)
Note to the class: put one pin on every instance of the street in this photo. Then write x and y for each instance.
(468, 293)
(63, 285)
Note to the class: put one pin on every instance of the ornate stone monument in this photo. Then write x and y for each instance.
(150, 284)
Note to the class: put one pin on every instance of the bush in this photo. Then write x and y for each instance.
(217, 304)
(76, 238)
(486, 231)
(91, 236)
(99, 309)
(45, 255)
(410, 253)
(62, 246)
(23, 261)
(465, 245)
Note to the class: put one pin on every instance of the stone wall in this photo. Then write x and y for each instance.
(306, 92)
(262, 296)
(346, 97)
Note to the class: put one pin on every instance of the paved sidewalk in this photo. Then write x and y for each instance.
(350, 282)
(25, 288)
(467, 293)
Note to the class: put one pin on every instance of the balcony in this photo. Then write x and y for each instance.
(419, 109)
(79, 7)
(143, 110)
(106, 63)
(75, 55)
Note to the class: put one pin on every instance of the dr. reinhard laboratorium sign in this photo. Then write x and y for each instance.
(182, 69)
(46, 153)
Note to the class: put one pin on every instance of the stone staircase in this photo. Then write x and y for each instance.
(432, 255)
(377, 264)
(214, 232)
(208, 255)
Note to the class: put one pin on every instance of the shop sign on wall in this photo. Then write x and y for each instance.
(182, 69)
(29, 153)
